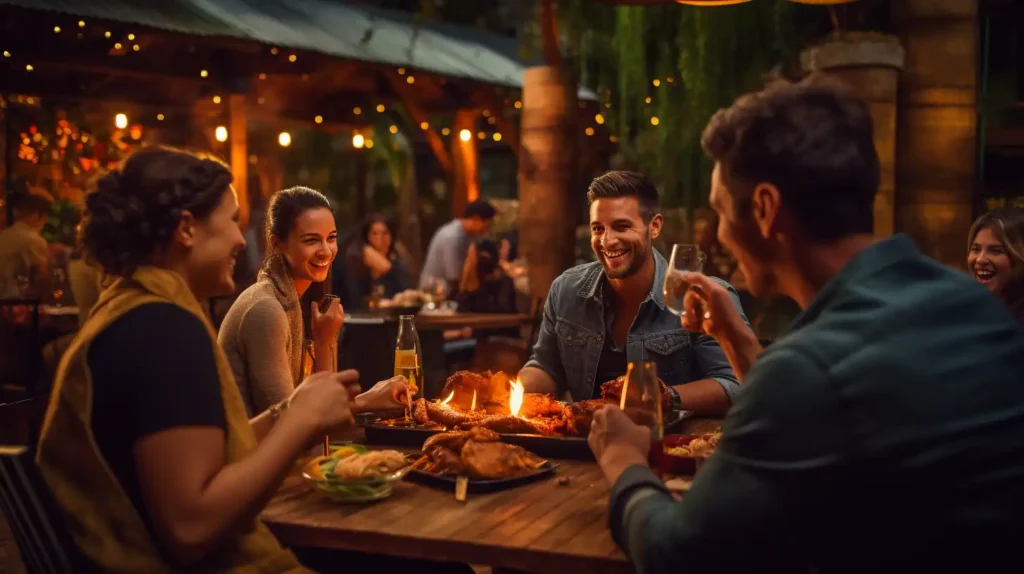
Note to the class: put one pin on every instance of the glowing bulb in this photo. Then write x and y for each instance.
(7, 54)
(497, 137)
(29, 68)
(81, 24)
(121, 121)
(599, 119)
(221, 133)
(106, 34)
(401, 71)
(358, 141)
(117, 45)
(216, 99)
(518, 104)
(319, 119)
(357, 110)
(160, 117)
(393, 129)
(655, 121)
(380, 108)
(656, 82)
(56, 29)
(203, 73)
(285, 139)
(410, 80)
(263, 76)
(136, 47)
(424, 125)
(487, 113)
(292, 58)
(465, 135)
(131, 37)
(589, 131)
(481, 135)
(445, 131)
(647, 100)
(369, 144)
(273, 51)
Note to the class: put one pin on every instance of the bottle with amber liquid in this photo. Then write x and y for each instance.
(408, 359)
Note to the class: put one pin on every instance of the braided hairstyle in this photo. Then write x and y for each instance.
(134, 210)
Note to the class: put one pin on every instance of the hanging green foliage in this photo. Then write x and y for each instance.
(663, 70)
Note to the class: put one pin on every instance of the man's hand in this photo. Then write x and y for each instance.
(709, 308)
(617, 442)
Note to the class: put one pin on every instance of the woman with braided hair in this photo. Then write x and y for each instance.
(147, 448)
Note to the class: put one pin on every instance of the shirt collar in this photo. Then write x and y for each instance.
(596, 277)
(878, 256)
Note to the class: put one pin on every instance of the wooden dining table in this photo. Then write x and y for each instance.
(557, 525)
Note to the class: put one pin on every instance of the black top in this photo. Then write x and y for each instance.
(359, 282)
(885, 433)
(613, 362)
(152, 369)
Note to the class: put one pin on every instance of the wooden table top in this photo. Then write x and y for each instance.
(540, 527)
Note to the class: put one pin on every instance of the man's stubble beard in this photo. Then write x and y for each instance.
(640, 255)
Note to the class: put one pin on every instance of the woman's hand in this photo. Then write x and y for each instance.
(326, 323)
(324, 400)
(393, 393)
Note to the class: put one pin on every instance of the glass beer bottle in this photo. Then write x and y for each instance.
(408, 359)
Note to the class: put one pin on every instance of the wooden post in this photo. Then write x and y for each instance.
(871, 68)
(936, 145)
(466, 187)
(546, 168)
(238, 136)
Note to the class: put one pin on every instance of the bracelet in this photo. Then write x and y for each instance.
(275, 410)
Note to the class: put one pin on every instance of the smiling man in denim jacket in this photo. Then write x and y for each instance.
(600, 316)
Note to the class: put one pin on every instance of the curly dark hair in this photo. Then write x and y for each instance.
(814, 141)
(133, 210)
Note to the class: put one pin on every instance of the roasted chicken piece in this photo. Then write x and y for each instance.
(491, 460)
(441, 460)
(449, 416)
(612, 391)
(537, 405)
(514, 425)
(582, 413)
(455, 439)
(491, 390)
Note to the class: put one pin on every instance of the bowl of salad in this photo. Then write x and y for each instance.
(354, 474)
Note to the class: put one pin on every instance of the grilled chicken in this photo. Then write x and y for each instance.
(449, 416)
(582, 414)
(491, 390)
(612, 391)
(512, 425)
(455, 439)
(498, 460)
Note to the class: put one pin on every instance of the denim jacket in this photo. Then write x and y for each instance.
(573, 329)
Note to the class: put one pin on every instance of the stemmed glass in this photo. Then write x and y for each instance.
(641, 401)
(436, 290)
(685, 258)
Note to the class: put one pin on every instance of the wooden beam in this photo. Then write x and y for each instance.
(238, 136)
(466, 187)
(419, 116)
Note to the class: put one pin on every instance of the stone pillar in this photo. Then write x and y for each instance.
(937, 133)
(871, 66)
(546, 169)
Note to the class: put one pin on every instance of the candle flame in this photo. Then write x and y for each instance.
(472, 407)
(515, 399)
(449, 399)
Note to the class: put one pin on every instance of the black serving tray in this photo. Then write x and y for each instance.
(544, 446)
(477, 486)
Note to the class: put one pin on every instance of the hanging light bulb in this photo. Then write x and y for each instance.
(358, 141)
(285, 139)
(121, 121)
(221, 133)
(465, 135)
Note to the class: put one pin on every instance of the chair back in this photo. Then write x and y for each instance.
(20, 350)
(46, 546)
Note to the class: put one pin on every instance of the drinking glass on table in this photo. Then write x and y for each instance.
(435, 291)
(685, 258)
(641, 401)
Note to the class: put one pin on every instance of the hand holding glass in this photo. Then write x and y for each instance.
(641, 401)
(684, 258)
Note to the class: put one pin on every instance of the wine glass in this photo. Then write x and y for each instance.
(641, 400)
(435, 291)
(685, 258)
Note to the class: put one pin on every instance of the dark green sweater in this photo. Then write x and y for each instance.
(885, 433)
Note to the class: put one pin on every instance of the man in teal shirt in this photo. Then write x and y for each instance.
(885, 433)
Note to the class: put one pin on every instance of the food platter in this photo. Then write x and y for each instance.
(479, 486)
(413, 435)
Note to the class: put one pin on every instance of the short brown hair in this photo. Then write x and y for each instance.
(814, 141)
(626, 184)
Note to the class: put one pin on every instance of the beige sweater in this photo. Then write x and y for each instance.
(263, 339)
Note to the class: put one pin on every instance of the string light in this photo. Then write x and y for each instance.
(369, 144)
(380, 108)
(357, 110)
(285, 139)
(647, 100)
(655, 121)
(216, 99)
(589, 131)
(670, 79)
(481, 135)
(81, 24)
(106, 34)
(424, 125)
(203, 73)
(319, 119)
(465, 135)
(121, 121)
(656, 82)
(273, 51)
(445, 131)
(117, 45)
(487, 113)
(131, 37)
(29, 68)
(410, 80)
(393, 129)
(136, 47)
(292, 58)
(221, 133)
(56, 29)
(160, 117)
(518, 104)
(7, 54)
(599, 119)
(263, 76)
(261, 100)
(497, 137)
(401, 71)
(358, 141)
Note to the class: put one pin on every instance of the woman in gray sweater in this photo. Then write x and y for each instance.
(275, 333)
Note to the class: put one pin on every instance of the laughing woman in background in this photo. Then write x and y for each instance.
(995, 256)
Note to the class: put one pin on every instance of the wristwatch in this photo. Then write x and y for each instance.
(677, 401)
